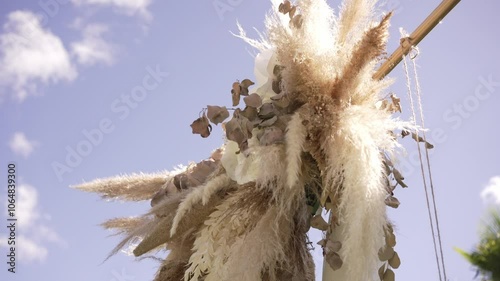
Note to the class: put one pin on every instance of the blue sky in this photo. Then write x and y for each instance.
(96, 88)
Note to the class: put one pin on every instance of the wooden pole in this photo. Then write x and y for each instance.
(415, 37)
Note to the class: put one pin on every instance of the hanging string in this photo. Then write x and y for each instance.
(429, 170)
(410, 97)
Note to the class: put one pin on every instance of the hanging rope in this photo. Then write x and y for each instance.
(432, 213)
(438, 228)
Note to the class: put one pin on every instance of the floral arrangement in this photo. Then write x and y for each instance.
(314, 135)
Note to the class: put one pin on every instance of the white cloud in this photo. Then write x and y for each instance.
(30, 251)
(19, 144)
(491, 193)
(129, 7)
(93, 48)
(35, 234)
(27, 213)
(30, 54)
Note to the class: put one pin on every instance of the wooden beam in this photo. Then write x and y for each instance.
(415, 37)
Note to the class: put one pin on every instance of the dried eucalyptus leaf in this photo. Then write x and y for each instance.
(390, 239)
(389, 275)
(253, 100)
(333, 246)
(239, 130)
(296, 21)
(280, 100)
(284, 7)
(235, 92)
(390, 228)
(398, 177)
(385, 253)
(319, 223)
(244, 86)
(334, 261)
(421, 139)
(267, 111)
(268, 122)
(396, 102)
(381, 272)
(322, 242)
(292, 11)
(250, 113)
(246, 83)
(272, 135)
(395, 261)
(392, 202)
(201, 126)
(217, 114)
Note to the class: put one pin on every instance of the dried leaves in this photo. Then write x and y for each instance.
(201, 126)
(240, 89)
(331, 252)
(217, 114)
(264, 116)
(287, 8)
(393, 105)
(239, 130)
(387, 255)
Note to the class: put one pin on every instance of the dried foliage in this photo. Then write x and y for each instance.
(313, 135)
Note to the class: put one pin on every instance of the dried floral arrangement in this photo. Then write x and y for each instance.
(315, 135)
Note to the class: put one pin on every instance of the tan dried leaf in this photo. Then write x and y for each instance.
(333, 246)
(253, 100)
(392, 202)
(235, 92)
(396, 102)
(381, 272)
(272, 135)
(201, 126)
(319, 223)
(239, 130)
(284, 7)
(292, 11)
(267, 111)
(296, 21)
(249, 112)
(246, 83)
(217, 114)
(395, 261)
(385, 253)
(333, 259)
(421, 139)
(390, 239)
(389, 275)
(268, 122)
(398, 177)
(322, 242)
(280, 100)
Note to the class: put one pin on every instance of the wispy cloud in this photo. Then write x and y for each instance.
(31, 55)
(128, 7)
(491, 193)
(20, 145)
(93, 48)
(36, 234)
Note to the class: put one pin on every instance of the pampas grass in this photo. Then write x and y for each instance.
(134, 187)
(244, 213)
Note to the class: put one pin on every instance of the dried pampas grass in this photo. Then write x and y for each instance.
(317, 140)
